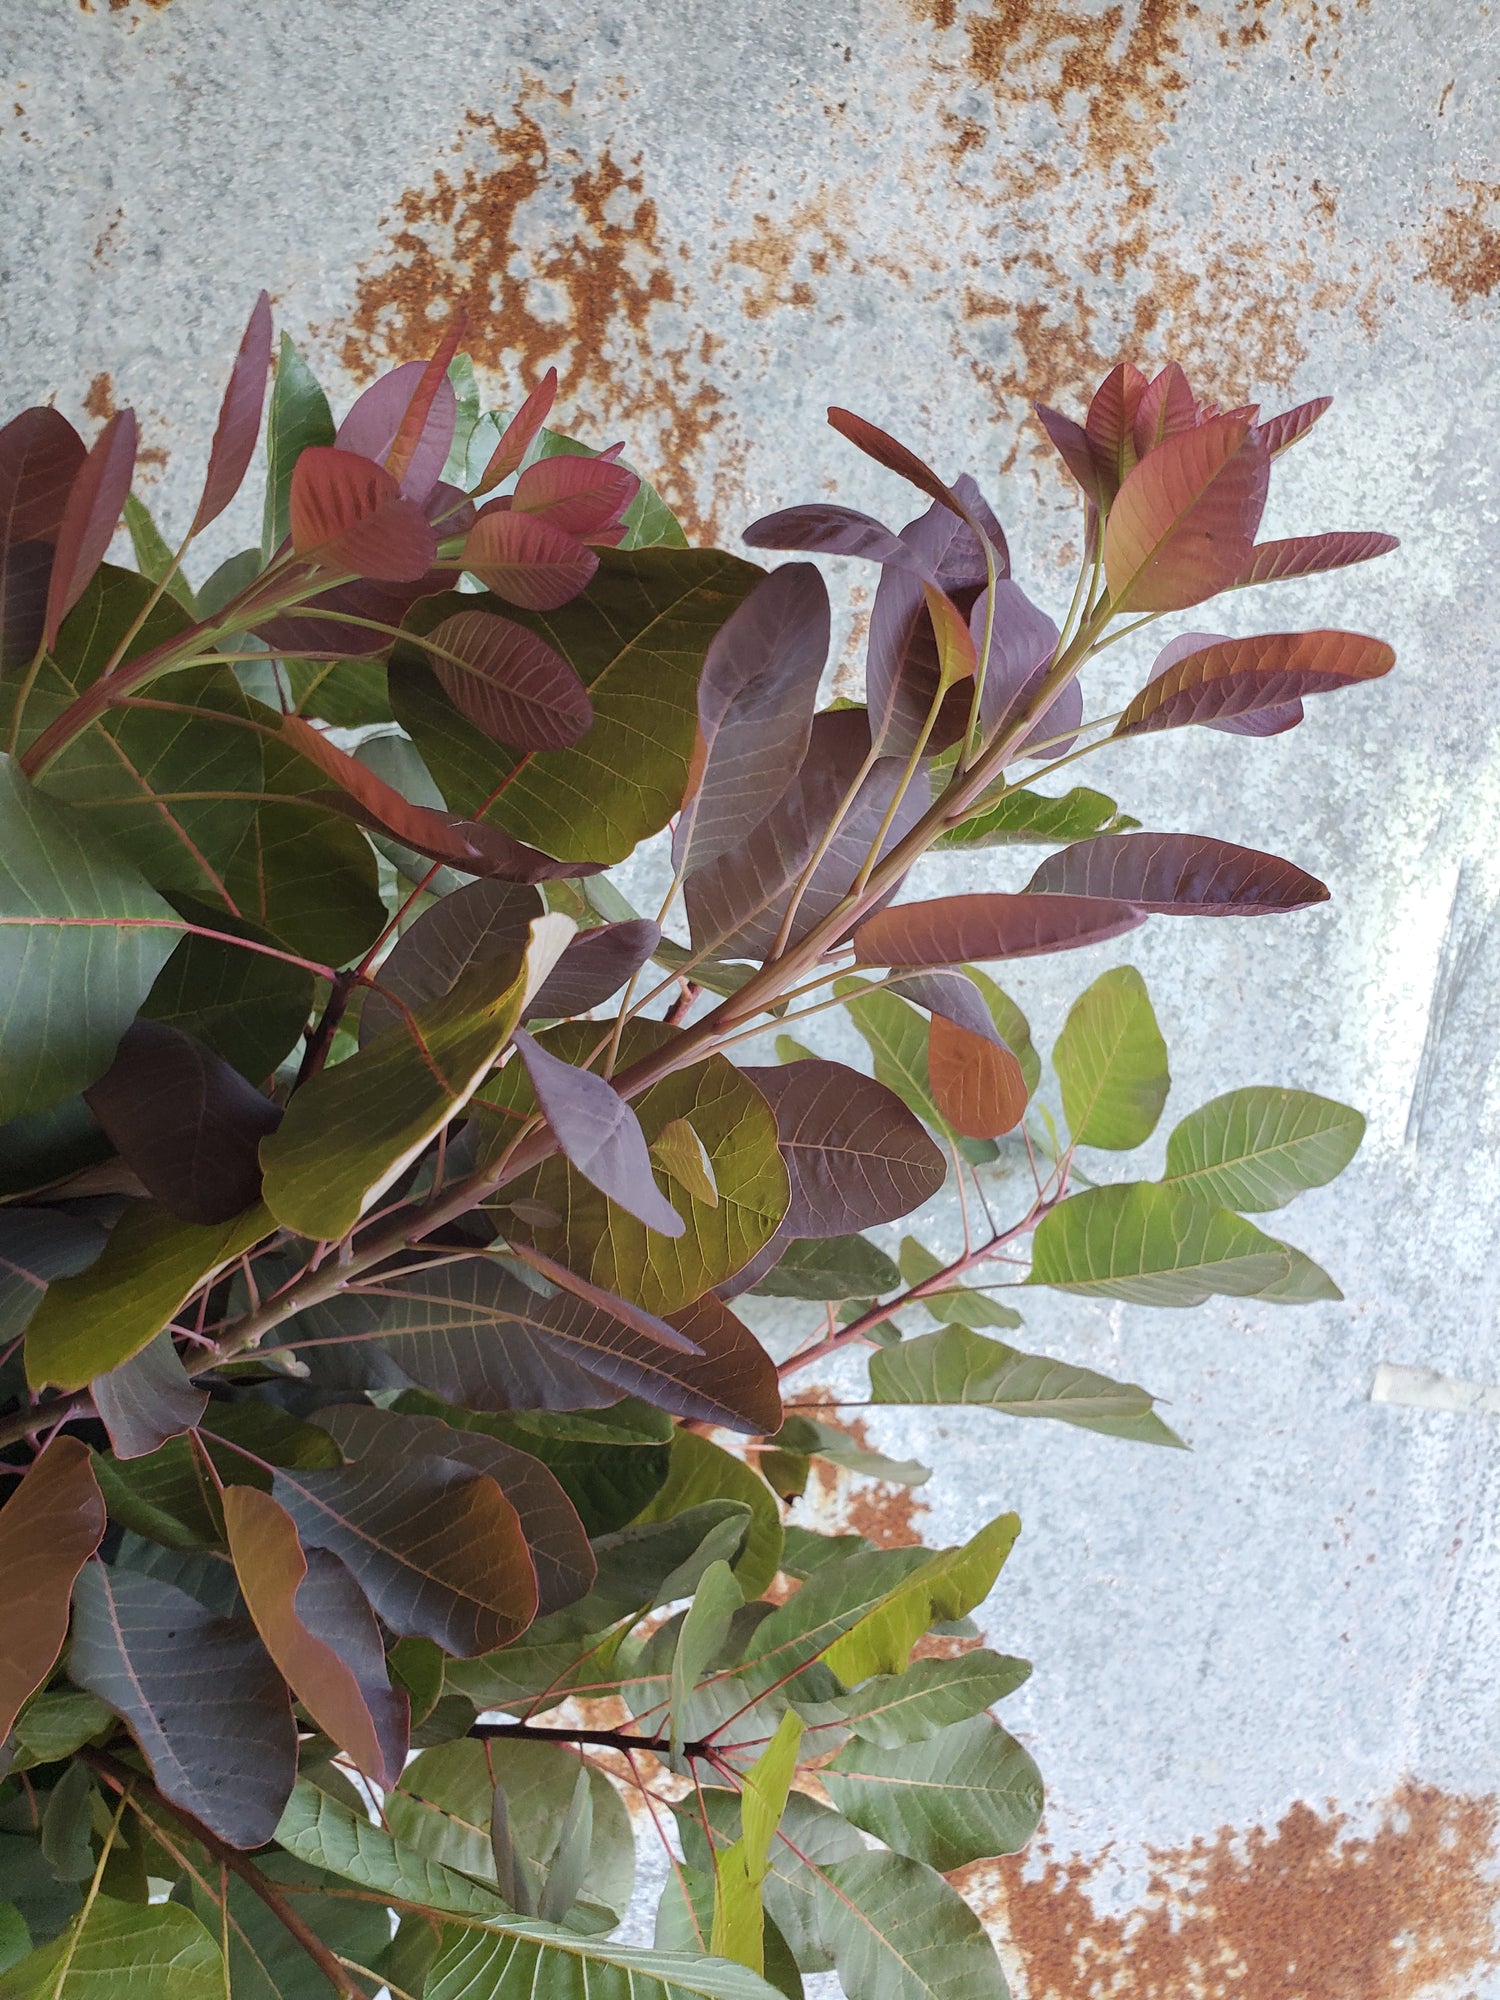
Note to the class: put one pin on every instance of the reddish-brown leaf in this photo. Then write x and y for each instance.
(508, 682)
(25, 569)
(40, 457)
(400, 460)
(239, 418)
(1110, 425)
(952, 929)
(1167, 407)
(1307, 555)
(855, 1155)
(359, 1710)
(375, 421)
(824, 529)
(1279, 432)
(49, 1527)
(1177, 874)
(1273, 721)
(527, 560)
(95, 503)
(1239, 677)
(976, 1081)
(519, 432)
(348, 513)
(1183, 523)
(1071, 441)
(895, 457)
(586, 497)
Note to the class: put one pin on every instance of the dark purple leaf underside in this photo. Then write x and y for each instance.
(1178, 874)
(1021, 650)
(951, 995)
(148, 1399)
(95, 503)
(1309, 555)
(599, 1134)
(855, 1155)
(595, 965)
(1272, 721)
(373, 423)
(823, 529)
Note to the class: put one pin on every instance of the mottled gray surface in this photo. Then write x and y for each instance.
(933, 219)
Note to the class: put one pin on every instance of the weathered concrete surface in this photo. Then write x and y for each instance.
(717, 220)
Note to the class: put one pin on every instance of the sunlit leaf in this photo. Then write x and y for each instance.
(1112, 1063)
(701, 1470)
(1255, 1149)
(1308, 555)
(1183, 522)
(1236, 679)
(952, 928)
(1154, 1245)
(119, 1951)
(348, 514)
(961, 1795)
(1176, 874)
(894, 1709)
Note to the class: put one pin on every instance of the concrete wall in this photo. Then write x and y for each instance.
(1272, 1662)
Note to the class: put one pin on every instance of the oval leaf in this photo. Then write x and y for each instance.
(147, 1399)
(508, 682)
(347, 513)
(586, 497)
(1178, 874)
(965, 1794)
(1153, 1245)
(951, 928)
(1243, 677)
(381, 413)
(855, 1155)
(1112, 1063)
(1183, 522)
(599, 1133)
(1255, 1149)
(977, 1083)
(526, 559)
(52, 1523)
(480, 924)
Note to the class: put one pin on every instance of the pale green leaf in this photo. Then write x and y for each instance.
(1112, 1063)
(960, 1305)
(700, 1638)
(527, 1962)
(894, 1709)
(830, 1267)
(1026, 816)
(153, 556)
(964, 1794)
(321, 1830)
(1153, 1245)
(120, 1951)
(1305, 1283)
(299, 416)
(701, 1470)
(741, 1869)
(683, 1157)
(1255, 1149)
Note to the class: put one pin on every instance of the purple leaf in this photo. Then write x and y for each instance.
(949, 546)
(599, 1133)
(477, 924)
(1259, 721)
(25, 570)
(951, 995)
(1178, 874)
(1071, 441)
(855, 1155)
(952, 929)
(1021, 650)
(895, 457)
(1309, 555)
(371, 427)
(304, 636)
(596, 964)
(148, 1399)
(336, 1611)
(41, 456)
(903, 669)
(95, 502)
(511, 684)
(820, 528)
(755, 709)
(1233, 678)
(239, 418)
(1110, 425)
(184, 1121)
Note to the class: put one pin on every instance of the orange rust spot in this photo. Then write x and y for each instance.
(1463, 255)
(884, 1514)
(1311, 1911)
(99, 403)
(582, 298)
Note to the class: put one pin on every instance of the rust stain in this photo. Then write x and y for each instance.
(584, 296)
(1309, 1911)
(883, 1513)
(786, 256)
(1463, 253)
(99, 403)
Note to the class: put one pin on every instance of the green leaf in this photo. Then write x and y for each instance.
(700, 1639)
(265, 1961)
(703, 1471)
(119, 1951)
(299, 416)
(15, 1939)
(441, 1810)
(636, 638)
(682, 1157)
(1034, 817)
(347, 693)
(959, 1366)
(246, 1006)
(1305, 1283)
(55, 1725)
(351, 1131)
(894, 1709)
(649, 523)
(528, 1961)
(1154, 1245)
(960, 1305)
(153, 556)
(67, 1823)
(1112, 1063)
(806, 1435)
(71, 982)
(741, 1870)
(610, 1247)
(1255, 1149)
(963, 1794)
(149, 1268)
(831, 1267)
(325, 1833)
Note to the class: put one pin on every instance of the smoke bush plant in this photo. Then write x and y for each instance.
(376, 1181)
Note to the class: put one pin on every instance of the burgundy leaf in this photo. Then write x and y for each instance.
(1166, 407)
(305, 636)
(755, 708)
(184, 1121)
(554, 1534)
(334, 1609)
(904, 669)
(519, 432)
(952, 929)
(475, 925)
(1182, 525)
(96, 501)
(895, 457)
(52, 1522)
(1257, 721)
(1178, 874)
(597, 1131)
(1242, 677)
(25, 569)
(148, 1399)
(951, 548)
(596, 964)
(511, 683)
(41, 456)
(1071, 441)
(373, 425)
(977, 1082)
(451, 512)
(736, 904)
(467, 844)
(527, 560)
(347, 513)
(239, 418)
(1307, 555)
(413, 457)
(820, 528)
(586, 497)
(855, 1155)
(1022, 649)
(952, 996)
(199, 1694)
(1110, 425)
(1279, 432)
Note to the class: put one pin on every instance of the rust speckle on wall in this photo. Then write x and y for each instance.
(559, 260)
(1463, 254)
(1309, 1911)
(99, 403)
